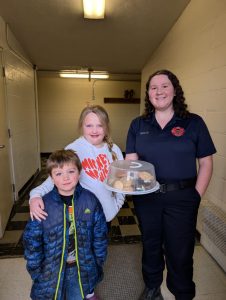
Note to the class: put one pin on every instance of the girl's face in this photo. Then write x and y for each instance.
(93, 130)
(161, 92)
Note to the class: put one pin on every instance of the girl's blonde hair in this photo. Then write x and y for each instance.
(104, 120)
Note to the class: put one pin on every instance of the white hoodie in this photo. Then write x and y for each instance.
(95, 165)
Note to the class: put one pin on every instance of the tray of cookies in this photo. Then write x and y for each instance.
(131, 177)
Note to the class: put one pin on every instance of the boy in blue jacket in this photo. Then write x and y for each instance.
(65, 253)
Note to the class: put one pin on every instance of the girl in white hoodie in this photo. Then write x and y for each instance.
(96, 151)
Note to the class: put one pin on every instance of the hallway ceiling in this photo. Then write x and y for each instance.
(55, 35)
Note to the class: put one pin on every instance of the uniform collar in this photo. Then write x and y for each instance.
(154, 122)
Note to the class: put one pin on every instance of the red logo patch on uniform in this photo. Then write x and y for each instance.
(178, 131)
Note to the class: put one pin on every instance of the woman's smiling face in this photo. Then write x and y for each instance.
(161, 92)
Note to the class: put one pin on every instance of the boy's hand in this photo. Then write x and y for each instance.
(37, 209)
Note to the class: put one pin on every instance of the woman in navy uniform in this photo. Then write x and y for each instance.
(172, 139)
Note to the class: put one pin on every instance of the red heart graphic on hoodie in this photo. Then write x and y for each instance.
(96, 168)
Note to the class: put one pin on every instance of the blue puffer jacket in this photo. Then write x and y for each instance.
(46, 244)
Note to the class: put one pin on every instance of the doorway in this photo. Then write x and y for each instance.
(6, 192)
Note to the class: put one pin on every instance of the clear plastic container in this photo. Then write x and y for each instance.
(131, 177)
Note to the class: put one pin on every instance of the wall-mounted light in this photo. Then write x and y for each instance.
(94, 9)
(85, 74)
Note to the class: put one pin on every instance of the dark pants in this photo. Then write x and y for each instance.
(168, 223)
(71, 289)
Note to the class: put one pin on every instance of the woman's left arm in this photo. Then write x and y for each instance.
(204, 174)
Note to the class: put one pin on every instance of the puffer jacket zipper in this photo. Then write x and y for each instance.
(62, 256)
(76, 249)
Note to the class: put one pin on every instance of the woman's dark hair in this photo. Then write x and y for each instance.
(179, 105)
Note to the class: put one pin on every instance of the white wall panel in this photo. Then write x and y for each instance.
(21, 104)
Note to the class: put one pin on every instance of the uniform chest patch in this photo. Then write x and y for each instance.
(178, 131)
(96, 168)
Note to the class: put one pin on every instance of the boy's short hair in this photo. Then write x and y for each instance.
(61, 157)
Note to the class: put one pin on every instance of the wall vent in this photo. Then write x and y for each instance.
(213, 231)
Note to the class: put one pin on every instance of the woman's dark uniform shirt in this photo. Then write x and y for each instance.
(172, 150)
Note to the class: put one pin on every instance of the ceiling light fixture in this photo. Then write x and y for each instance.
(84, 74)
(94, 9)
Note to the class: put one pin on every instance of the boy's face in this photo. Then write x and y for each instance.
(65, 178)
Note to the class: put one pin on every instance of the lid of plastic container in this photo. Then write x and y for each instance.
(136, 165)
